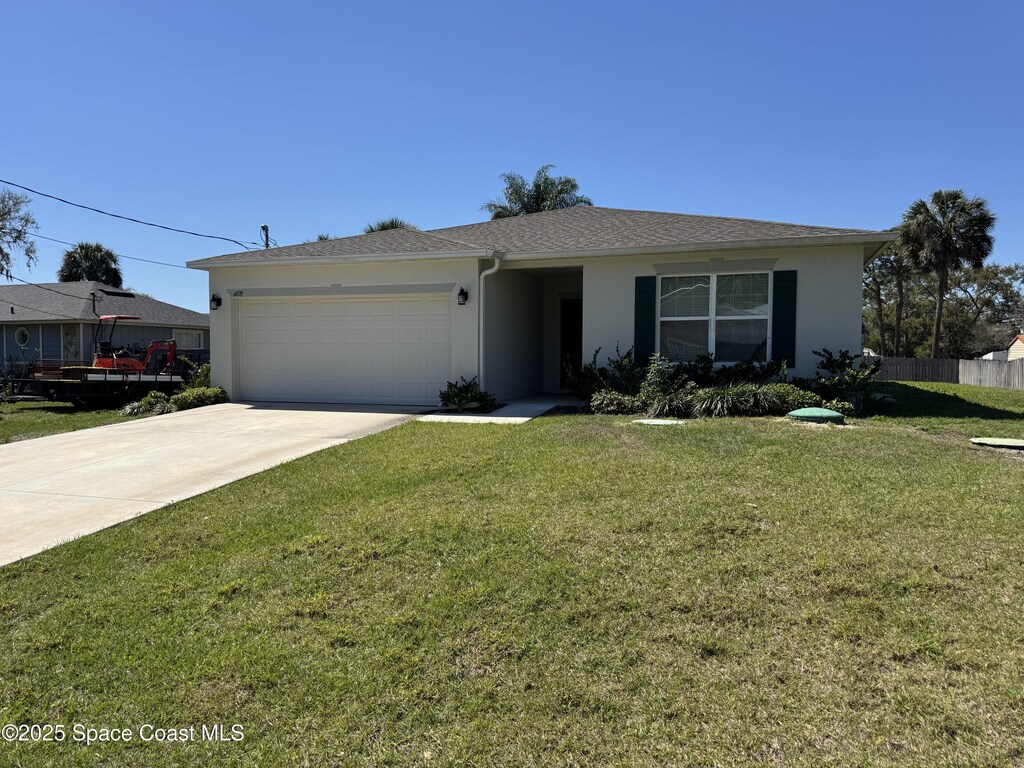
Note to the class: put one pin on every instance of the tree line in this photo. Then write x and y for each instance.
(932, 292)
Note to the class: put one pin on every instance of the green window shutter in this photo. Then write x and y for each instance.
(784, 317)
(645, 316)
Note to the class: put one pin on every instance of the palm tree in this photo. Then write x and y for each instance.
(91, 261)
(547, 193)
(382, 224)
(947, 232)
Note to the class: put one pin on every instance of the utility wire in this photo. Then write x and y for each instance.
(129, 218)
(119, 255)
(44, 311)
(44, 287)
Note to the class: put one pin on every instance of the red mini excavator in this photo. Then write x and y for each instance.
(159, 358)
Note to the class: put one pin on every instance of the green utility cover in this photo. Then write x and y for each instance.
(817, 415)
(999, 442)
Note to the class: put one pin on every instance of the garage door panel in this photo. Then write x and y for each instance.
(378, 349)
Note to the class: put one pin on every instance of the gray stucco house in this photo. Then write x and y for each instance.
(388, 317)
(56, 321)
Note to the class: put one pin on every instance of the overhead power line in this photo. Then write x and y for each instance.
(129, 218)
(36, 309)
(119, 255)
(43, 287)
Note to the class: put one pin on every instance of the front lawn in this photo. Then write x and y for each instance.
(24, 420)
(574, 591)
(959, 409)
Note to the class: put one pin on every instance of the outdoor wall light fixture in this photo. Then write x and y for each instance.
(463, 296)
(215, 301)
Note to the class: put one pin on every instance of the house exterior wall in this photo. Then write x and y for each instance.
(1015, 351)
(522, 325)
(512, 330)
(308, 280)
(828, 294)
(31, 351)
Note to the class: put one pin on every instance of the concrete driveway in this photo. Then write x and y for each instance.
(57, 488)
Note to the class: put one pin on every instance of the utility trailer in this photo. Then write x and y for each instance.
(115, 376)
(84, 385)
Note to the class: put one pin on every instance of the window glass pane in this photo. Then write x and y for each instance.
(684, 340)
(741, 295)
(685, 296)
(740, 340)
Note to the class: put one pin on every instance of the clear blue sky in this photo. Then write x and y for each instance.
(320, 117)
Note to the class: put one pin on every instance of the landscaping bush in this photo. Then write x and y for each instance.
(153, 404)
(197, 397)
(611, 402)
(198, 375)
(840, 406)
(463, 393)
(622, 375)
(734, 400)
(838, 378)
(791, 397)
(665, 389)
(704, 373)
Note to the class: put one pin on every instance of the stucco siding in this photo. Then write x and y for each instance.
(512, 333)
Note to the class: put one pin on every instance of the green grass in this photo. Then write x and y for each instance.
(24, 420)
(955, 409)
(574, 591)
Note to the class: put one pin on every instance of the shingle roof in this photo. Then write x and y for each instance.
(587, 227)
(389, 241)
(569, 229)
(73, 301)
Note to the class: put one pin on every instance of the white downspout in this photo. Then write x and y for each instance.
(480, 356)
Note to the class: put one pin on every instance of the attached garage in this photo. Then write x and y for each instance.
(390, 348)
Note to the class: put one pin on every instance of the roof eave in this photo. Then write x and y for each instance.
(873, 241)
(320, 260)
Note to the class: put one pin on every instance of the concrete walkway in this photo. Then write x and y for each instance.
(60, 487)
(517, 412)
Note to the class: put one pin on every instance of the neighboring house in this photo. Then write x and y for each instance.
(389, 317)
(57, 321)
(1016, 349)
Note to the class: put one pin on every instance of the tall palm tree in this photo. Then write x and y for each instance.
(381, 224)
(91, 261)
(949, 231)
(547, 193)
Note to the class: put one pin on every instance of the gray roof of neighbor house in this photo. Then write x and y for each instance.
(581, 229)
(42, 302)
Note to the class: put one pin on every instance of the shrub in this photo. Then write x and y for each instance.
(734, 400)
(665, 389)
(791, 397)
(623, 375)
(612, 402)
(704, 373)
(840, 406)
(463, 393)
(837, 378)
(198, 375)
(153, 404)
(197, 397)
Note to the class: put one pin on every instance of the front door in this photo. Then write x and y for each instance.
(571, 351)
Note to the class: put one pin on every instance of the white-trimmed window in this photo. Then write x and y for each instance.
(725, 315)
(188, 339)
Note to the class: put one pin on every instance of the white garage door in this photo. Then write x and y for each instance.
(354, 349)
